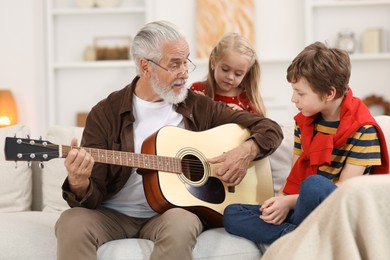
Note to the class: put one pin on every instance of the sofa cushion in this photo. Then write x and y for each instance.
(384, 123)
(15, 177)
(281, 159)
(211, 244)
(54, 172)
(28, 235)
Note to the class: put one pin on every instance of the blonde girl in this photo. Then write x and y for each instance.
(233, 75)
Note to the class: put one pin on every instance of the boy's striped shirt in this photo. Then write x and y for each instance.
(362, 148)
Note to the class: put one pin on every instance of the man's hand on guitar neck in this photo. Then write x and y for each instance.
(235, 163)
(79, 165)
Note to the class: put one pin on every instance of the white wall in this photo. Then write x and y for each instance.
(22, 59)
(22, 49)
(279, 24)
(279, 38)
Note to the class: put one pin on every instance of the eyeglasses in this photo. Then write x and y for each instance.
(176, 68)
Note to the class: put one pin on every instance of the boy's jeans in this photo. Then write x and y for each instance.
(243, 219)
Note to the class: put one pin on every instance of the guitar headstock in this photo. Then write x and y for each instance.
(20, 149)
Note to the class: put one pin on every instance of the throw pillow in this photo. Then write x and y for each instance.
(54, 171)
(281, 159)
(15, 177)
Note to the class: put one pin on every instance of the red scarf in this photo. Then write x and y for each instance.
(317, 150)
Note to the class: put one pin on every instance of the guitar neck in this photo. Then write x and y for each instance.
(142, 161)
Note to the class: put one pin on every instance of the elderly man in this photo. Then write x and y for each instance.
(108, 202)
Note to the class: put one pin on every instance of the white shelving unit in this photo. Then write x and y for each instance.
(324, 19)
(69, 77)
(74, 85)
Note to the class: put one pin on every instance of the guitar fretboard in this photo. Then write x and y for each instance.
(143, 161)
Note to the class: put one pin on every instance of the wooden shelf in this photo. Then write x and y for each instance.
(93, 64)
(349, 3)
(370, 56)
(69, 30)
(97, 11)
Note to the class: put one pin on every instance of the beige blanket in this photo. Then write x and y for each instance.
(352, 223)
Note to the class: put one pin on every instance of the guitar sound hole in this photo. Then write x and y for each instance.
(192, 168)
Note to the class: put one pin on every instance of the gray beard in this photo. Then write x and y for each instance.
(168, 95)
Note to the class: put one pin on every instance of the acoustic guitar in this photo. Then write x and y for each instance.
(174, 168)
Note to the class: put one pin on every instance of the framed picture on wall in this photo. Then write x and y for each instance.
(214, 18)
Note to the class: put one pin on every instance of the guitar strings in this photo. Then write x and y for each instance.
(196, 166)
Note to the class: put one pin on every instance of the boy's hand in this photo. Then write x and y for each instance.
(275, 210)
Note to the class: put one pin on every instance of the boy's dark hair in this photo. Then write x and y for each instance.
(323, 68)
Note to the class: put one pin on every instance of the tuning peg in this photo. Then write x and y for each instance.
(28, 136)
(41, 165)
(29, 164)
(40, 137)
(16, 164)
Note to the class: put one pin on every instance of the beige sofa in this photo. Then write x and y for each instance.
(31, 201)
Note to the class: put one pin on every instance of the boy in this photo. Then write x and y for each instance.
(335, 139)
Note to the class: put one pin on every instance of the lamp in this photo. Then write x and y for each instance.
(8, 112)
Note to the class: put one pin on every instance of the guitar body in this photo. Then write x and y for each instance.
(197, 188)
